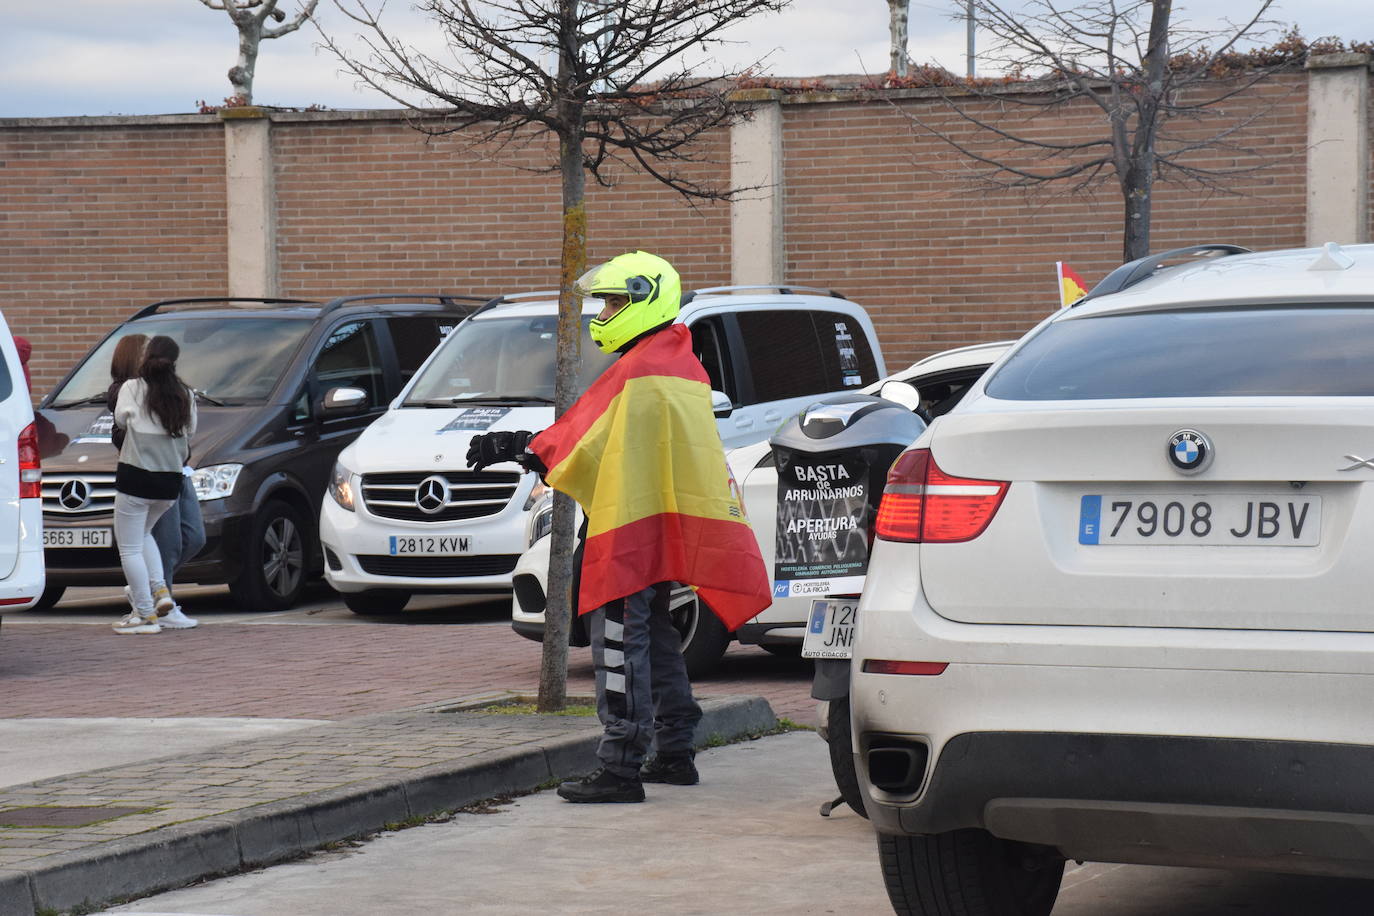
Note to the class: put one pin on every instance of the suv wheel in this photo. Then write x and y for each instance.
(273, 575)
(51, 595)
(970, 872)
(377, 601)
(838, 737)
(704, 637)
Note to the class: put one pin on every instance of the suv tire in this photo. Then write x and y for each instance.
(704, 637)
(968, 873)
(274, 565)
(839, 739)
(377, 602)
(51, 595)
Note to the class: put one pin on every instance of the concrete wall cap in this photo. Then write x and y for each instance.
(242, 113)
(1336, 61)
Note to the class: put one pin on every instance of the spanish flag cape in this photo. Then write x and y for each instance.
(640, 452)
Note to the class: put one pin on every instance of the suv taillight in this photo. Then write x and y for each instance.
(924, 505)
(30, 468)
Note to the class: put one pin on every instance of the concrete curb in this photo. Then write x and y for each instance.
(175, 856)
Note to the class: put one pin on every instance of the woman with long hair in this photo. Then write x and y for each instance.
(158, 414)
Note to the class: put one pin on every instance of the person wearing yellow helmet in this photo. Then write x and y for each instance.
(640, 452)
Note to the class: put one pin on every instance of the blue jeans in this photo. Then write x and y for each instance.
(643, 696)
(180, 532)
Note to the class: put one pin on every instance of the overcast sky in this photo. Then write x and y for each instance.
(96, 57)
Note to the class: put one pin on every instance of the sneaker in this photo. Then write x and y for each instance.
(676, 771)
(176, 620)
(603, 786)
(162, 600)
(134, 622)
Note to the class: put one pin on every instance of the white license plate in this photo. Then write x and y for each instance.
(1236, 520)
(425, 545)
(830, 631)
(77, 537)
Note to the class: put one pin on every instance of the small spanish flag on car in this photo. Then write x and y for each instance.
(640, 452)
(1071, 285)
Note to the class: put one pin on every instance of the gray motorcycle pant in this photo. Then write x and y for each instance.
(642, 693)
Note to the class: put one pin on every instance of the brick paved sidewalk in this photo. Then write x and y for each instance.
(264, 800)
(313, 671)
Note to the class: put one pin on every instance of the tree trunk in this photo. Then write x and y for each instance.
(897, 22)
(1135, 241)
(1137, 184)
(553, 665)
(241, 74)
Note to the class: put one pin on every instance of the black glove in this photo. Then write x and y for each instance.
(493, 448)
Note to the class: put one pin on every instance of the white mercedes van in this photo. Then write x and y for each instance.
(22, 573)
(406, 515)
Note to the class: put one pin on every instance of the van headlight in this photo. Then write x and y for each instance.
(341, 486)
(215, 481)
(542, 523)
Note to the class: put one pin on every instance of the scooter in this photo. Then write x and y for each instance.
(832, 461)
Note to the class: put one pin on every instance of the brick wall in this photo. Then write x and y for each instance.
(96, 222)
(882, 209)
(100, 219)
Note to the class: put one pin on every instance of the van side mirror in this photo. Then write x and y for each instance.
(721, 405)
(338, 402)
(901, 393)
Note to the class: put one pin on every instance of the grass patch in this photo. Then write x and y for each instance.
(529, 709)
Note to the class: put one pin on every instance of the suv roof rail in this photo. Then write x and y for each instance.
(1132, 272)
(237, 301)
(442, 298)
(787, 289)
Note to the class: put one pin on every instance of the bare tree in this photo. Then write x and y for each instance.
(1158, 85)
(898, 23)
(611, 82)
(250, 18)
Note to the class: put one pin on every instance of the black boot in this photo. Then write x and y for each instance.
(603, 786)
(676, 771)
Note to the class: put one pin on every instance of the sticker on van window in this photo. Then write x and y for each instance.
(99, 430)
(849, 359)
(474, 418)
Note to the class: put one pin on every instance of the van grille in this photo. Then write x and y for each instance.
(438, 567)
(451, 495)
(77, 495)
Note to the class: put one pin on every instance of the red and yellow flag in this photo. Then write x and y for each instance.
(1071, 285)
(640, 452)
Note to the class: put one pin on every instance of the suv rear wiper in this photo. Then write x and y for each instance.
(92, 399)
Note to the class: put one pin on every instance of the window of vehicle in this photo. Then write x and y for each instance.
(232, 359)
(415, 337)
(502, 358)
(708, 343)
(1226, 352)
(350, 359)
(796, 353)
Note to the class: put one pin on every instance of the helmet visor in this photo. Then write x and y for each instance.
(599, 282)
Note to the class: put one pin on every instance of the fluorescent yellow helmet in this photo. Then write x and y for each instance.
(649, 282)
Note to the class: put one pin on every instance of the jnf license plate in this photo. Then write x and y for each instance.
(1231, 520)
(77, 537)
(430, 545)
(830, 630)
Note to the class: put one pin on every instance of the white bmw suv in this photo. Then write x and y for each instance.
(1118, 608)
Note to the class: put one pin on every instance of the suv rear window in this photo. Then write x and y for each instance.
(796, 353)
(1228, 352)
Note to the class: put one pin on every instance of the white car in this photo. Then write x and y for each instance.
(939, 380)
(406, 515)
(21, 479)
(1118, 604)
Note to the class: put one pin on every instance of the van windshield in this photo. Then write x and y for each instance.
(232, 360)
(501, 359)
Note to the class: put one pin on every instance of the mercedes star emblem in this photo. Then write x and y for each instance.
(432, 494)
(75, 495)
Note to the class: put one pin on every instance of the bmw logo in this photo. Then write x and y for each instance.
(1189, 451)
